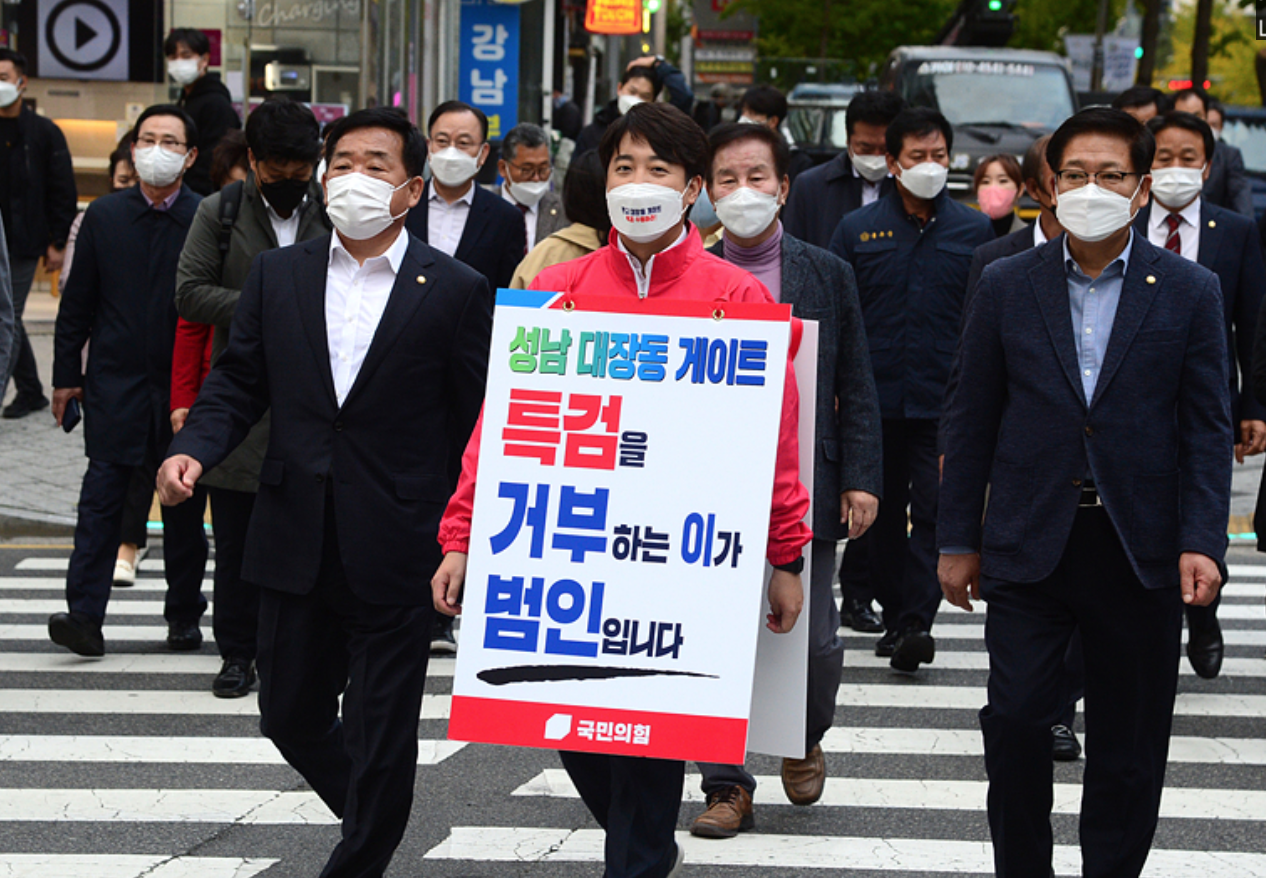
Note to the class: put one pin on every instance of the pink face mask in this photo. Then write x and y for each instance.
(996, 201)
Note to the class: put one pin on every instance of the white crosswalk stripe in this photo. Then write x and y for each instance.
(131, 746)
(521, 845)
(944, 795)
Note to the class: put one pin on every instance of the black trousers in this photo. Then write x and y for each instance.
(636, 801)
(140, 498)
(318, 646)
(235, 618)
(855, 581)
(903, 563)
(91, 571)
(1130, 644)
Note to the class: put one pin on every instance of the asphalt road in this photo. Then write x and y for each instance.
(128, 766)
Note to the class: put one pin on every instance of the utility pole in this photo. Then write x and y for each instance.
(1101, 27)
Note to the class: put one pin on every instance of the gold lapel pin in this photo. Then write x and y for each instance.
(1151, 278)
(421, 279)
(1213, 224)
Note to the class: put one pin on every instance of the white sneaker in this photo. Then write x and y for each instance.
(124, 573)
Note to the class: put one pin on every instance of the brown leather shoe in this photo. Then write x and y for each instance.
(804, 779)
(729, 813)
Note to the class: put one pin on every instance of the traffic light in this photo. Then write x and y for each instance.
(652, 6)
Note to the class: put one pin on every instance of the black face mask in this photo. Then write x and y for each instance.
(284, 195)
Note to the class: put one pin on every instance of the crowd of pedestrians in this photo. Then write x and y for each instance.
(305, 349)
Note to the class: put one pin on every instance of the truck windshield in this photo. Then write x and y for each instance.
(989, 92)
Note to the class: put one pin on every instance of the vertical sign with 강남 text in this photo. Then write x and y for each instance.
(614, 588)
(489, 62)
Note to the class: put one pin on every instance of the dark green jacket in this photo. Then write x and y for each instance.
(208, 286)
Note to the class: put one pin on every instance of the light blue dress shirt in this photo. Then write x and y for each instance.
(1093, 303)
(1094, 308)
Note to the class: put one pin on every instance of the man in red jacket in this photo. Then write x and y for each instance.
(656, 159)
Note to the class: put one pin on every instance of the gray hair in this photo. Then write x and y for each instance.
(526, 134)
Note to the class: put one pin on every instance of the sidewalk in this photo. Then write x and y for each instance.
(41, 467)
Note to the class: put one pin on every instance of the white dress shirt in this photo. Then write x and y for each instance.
(529, 216)
(445, 222)
(1039, 233)
(287, 229)
(355, 297)
(870, 191)
(1188, 227)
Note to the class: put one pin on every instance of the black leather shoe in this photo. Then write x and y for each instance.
(1065, 747)
(235, 679)
(183, 636)
(79, 633)
(886, 645)
(915, 647)
(1205, 648)
(23, 406)
(859, 616)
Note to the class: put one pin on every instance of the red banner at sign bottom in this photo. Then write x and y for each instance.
(598, 730)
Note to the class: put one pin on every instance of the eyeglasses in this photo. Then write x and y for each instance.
(532, 172)
(170, 144)
(1075, 179)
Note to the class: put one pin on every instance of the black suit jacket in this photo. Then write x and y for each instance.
(1228, 185)
(1007, 245)
(848, 443)
(821, 196)
(121, 297)
(493, 241)
(1155, 437)
(1229, 248)
(388, 459)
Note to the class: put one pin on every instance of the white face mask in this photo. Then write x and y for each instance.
(183, 70)
(748, 120)
(643, 212)
(158, 167)
(360, 205)
(8, 94)
(746, 212)
(528, 194)
(1177, 187)
(1092, 213)
(925, 180)
(452, 167)
(627, 102)
(873, 168)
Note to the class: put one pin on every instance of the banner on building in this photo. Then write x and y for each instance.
(614, 589)
(489, 62)
(615, 17)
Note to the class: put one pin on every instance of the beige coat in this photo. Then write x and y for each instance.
(563, 246)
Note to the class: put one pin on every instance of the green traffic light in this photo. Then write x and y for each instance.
(1138, 53)
(652, 6)
(995, 5)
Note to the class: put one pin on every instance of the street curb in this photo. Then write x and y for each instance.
(36, 526)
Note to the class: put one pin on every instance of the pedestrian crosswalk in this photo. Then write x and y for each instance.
(126, 766)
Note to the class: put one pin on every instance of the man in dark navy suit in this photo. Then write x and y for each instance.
(1189, 224)
(820, 197)
(458, 217)
(1093, 408)
(1226, 183)
(371, 350)
(120, 302)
